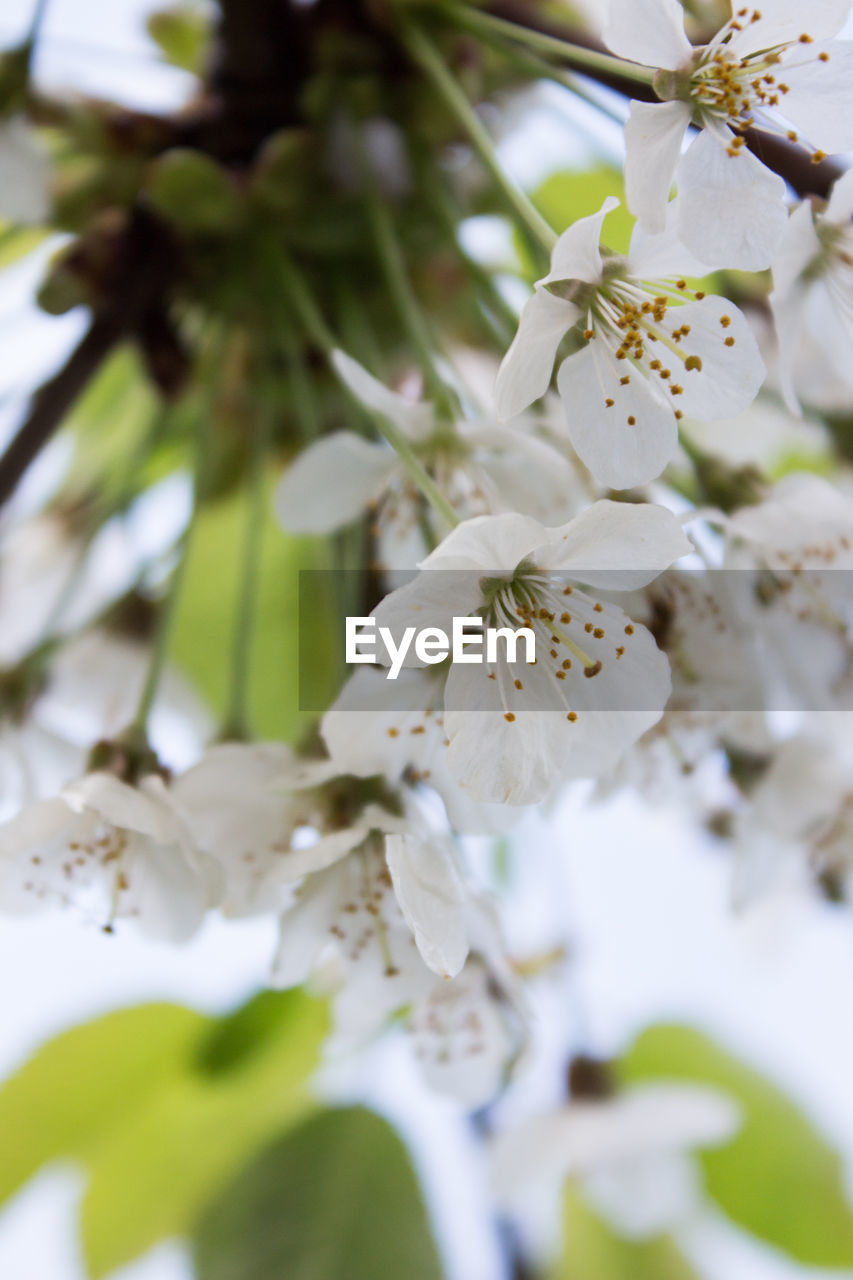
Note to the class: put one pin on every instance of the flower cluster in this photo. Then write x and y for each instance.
(626, 467)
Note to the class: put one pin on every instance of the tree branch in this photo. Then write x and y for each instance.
(54, 399)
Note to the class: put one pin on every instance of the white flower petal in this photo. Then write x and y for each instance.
(577, 255)
(332, 482)
(831, 322)
(648, 31)
(487, 542)
(495, 760)
(618, 545)
(658, 255)
(431, 897)
(819, 102)
(840, 206)
(587, 1136)
(304, 930)
(525, 371)
(415, 419)
(732, 370)
(529, 475)
(123, 806)
(162, 892)
(654, 133)
(619, 453)
(731, 208)
(782, 21)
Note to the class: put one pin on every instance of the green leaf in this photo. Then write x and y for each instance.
(78, 1088)
(16, 242)
(175, 1152)
(593, 1252)
(778, 1177)
(571, 194)
(194, 192)
(336, 1199)
(183, 36)
(204, 630)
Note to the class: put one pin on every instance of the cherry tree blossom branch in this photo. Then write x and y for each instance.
(575, 47)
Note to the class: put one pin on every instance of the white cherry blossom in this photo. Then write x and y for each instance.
(513, 729)
(813, 286)
(267, 819)
(776, 68)
(788, 561)
(631, 1152)
(481, 466)
(114, 850)
(394, 933)
(649, 351)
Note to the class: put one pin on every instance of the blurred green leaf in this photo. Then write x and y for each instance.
(110, 421)
(336, 1199)
(204, 630)
(183, 36)
(160, 1168)
(778, 1177)
(592, 1251)
(194, 192)
(78, 1088)
(16, 242)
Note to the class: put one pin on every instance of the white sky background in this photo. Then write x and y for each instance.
(647, 901)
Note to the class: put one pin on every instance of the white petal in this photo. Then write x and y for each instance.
(731, 208)
(840, 206)
(332, 482)
(648, 31)
(786, 20)
(586, 1136)
(304, 930)
(431, 897)
(162, 892)
(325, 852)
(577, 253)
(618, 453)
(529, 475)
(732, 369)
(525, 371)
(432, 599)
(24, 174)
(620, 545)
(415, 419)
(831, 321)
(121, 805)
(487, 542)
(495, 760)
(654, 133)
(819, 103)
(657, 255)
(798, 247)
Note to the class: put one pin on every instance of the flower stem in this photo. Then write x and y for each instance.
(236, 726)
(431, 63)
(167, 616)
(574, 55)
(315, 326)
(399, 286)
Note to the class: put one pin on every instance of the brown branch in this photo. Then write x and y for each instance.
(791, 162)
(53, 400)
